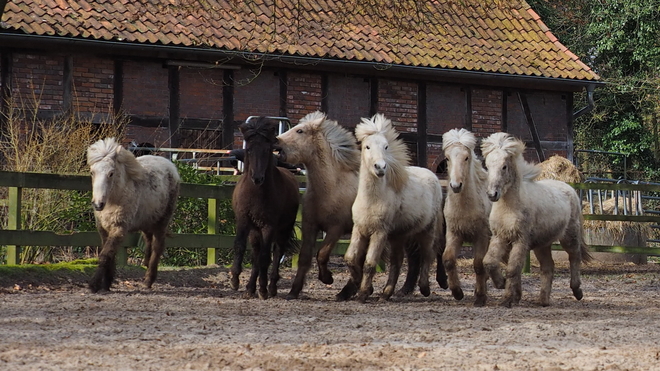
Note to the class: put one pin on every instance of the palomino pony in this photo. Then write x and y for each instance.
(130, 194)
(395, 204)
(529, 215)
(265, 202)
(466, 210)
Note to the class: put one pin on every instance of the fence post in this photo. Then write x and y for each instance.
(14, 223)
(212, 228)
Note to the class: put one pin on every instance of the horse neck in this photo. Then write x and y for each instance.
(512, 195)
(372, 187)
(323, 170)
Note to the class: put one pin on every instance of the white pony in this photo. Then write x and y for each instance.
(466, 210)
(529, 215)
(130, 194)
(395, 203)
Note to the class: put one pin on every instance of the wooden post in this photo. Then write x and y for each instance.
(14, 223)
(212, 228)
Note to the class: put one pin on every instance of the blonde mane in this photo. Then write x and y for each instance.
(341, 141)
(379, 125)
(513, 147)
(110, 149)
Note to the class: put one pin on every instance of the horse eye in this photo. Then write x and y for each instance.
(386, 147)
(504, 167)
(467, 158)
(299, 131)
(111, 174)
(367, 147)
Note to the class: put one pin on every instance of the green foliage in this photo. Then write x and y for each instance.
(620, 40)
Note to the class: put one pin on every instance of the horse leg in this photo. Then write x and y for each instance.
(157, 247)
(147, 237)
(427, 255)
(574, 247)
(278, 251)
(354, 257)
(264, 262)
(240, 244)
(377, 243)
(513, 287)
(257, 245)
(497, 250)
(396, 260)
(412, 252)
(441, 245)
(480, 247)
(105, 273)
(309, 231)
(331, 237)
(544, 256)
(454, 242)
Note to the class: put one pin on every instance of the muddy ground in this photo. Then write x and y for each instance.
(192, 320)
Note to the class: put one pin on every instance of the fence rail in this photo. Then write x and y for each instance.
(13, 237)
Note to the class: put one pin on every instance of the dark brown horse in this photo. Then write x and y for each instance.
(265, 202)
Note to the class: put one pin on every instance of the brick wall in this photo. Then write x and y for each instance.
(349, 99)
(486, 111)
(256, 93)
(37, 78)
(303, 95)
(397, 100)
(146, 89)
(92, 85)
(201, 93)
(446, 108)
(434, 155)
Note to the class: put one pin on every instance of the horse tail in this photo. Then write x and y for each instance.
(291, 245)
(584, 248)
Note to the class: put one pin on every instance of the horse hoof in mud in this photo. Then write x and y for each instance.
(457, 293)
(234, 282)
(577, 293)
(480, 301)
(347, 292)
(326, 277)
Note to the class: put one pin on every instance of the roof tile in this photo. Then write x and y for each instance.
(470, 34)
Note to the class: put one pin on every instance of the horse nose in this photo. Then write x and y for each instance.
(494, 196)
(257, 180)
(456, 187)
(380, 168)
(98, 206)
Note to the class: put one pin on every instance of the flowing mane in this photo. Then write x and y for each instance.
(103, 148)
(379, 125)
(513, 147)
(341, 141)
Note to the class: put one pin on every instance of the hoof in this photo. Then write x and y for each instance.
(577, 293)
(506, 303)
(442, 282)
(326, 277)
(404, 291)
(384, 297)
(291, 296)
(263, 294)
(347, 292)
(362, 297)
(248, 295)
(480, 301)
(234, 282)
(457, 293)
(426, 291)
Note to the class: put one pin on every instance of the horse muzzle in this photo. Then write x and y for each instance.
(98, 206)
(456, 187)
(494, 196)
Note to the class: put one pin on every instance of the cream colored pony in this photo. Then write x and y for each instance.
(395, 203)
(332, 160)
(130, 194)
(529, 215)
(466, 210)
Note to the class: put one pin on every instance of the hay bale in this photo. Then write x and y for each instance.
(560, 168)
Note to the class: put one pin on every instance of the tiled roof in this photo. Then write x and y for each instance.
(507, 38)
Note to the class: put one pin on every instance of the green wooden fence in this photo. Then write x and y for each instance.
(14, 237)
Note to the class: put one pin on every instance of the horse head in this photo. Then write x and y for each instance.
(102, 160)
(260, 140)
(458, 146)
(502, 152)
(297, 145)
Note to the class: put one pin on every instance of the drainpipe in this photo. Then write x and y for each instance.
(590, 103)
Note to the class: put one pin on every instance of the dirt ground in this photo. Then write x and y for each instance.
(192, 320)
